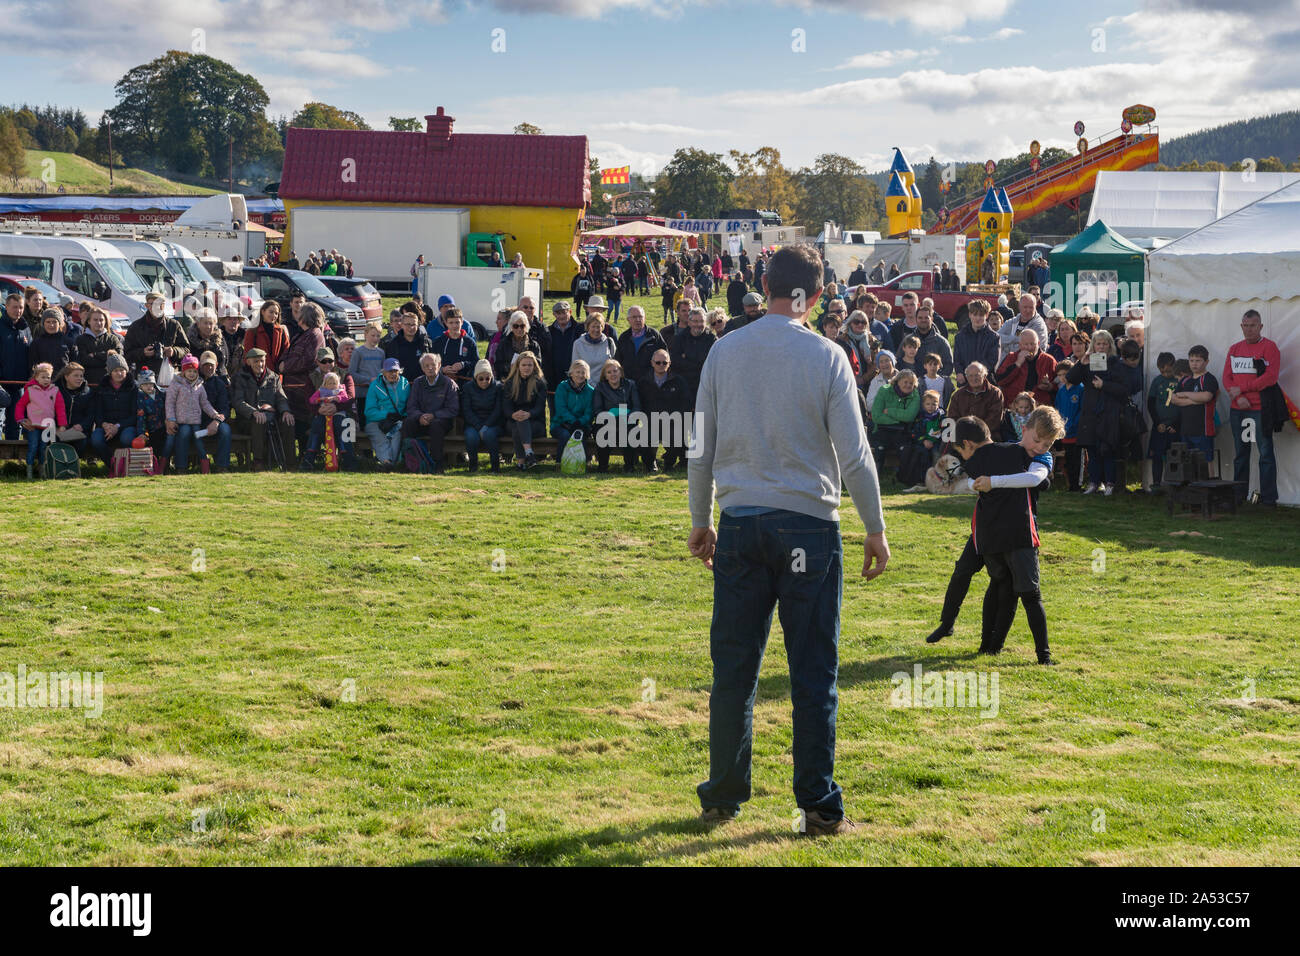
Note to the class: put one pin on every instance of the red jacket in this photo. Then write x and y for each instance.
(1239, 370)
(273, 343)
(1013, 380)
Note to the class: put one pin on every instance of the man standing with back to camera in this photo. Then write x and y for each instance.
(777, 456)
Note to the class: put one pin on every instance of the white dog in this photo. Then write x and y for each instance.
(942, 477)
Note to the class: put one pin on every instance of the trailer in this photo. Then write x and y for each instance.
(382, 243)
(481, 292)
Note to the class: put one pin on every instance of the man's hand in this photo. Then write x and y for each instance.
(110, 430)
(1096, 382)
(172, 428)
(328, 409)
(287, 418)
(1021, 355)
(426, 418)
(877, 549)
(148, 350)
(961, 379)
(1243, 402)
(702, 543)
(982, 483)
(1234, 391)
(259, 417)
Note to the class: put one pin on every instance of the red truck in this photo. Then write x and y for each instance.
(950, 305)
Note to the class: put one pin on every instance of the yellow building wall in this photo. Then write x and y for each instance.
(546, 235)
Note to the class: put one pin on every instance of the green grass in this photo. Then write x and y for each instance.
(79, 175)
(521, 690)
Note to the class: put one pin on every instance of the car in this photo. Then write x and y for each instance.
(343, 318)
(71, 308)
(359, 292)
(1016, 271)
(1135, 309)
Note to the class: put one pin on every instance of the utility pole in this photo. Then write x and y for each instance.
(109, 120)
(232, 164)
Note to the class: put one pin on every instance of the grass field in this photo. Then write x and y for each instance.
(79, 175)
(328, 670)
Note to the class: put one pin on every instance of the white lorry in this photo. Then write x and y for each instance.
(918, 251)
(481, 292)
(382, 243)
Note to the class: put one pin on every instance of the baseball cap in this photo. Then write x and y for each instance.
(392, 365)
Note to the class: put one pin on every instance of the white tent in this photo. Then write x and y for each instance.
(1199, 286)
(1169, 204)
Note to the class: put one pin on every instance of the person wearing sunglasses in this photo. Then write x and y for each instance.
(666, 399)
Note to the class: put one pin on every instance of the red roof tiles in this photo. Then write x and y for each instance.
(436, 166)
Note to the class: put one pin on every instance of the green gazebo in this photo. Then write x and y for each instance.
(1098, 268)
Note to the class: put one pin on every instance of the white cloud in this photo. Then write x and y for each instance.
(950, 13)
(884, 58)
(634, 126)
(1006, 33)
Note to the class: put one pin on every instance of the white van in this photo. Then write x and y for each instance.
(84, 268)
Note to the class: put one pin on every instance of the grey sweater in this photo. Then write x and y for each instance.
(777, 425)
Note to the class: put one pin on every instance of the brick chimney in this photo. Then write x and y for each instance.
(438, 127)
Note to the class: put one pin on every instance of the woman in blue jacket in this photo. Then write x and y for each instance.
(386, 411)
(573, 404)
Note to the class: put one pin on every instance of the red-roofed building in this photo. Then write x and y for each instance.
(535, 188)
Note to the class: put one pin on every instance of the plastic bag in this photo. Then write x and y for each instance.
(573, 460)
(165, 373)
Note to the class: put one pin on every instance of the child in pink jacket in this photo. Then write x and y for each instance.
(40, 405)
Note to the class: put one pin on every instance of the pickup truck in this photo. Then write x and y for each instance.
(950, 305)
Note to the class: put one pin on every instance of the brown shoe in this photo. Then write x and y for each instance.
(816, 825)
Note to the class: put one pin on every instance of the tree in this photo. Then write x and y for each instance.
(599, 205)
(528, 129)
(837, 188)
(324, 116)
(190, 112)
(13, 159)
(404, 124)
(694, 181)
(763, 183)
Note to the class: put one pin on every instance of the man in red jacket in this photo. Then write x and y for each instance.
(1028, 369)
(1251, 366)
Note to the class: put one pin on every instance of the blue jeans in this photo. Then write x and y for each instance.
(615, 309)
(1241, 462)
(489, 437)
(793, 562)
(34, 445)
(104, 447)
(1202, 443)
(223, 444)
(562, 434)
(1101, 468)
(179, 445)
(387, 446)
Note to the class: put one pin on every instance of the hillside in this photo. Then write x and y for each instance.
(76, 174)
(1276, 135)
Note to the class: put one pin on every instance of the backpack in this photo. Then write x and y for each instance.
(417, 458)
(61, 461)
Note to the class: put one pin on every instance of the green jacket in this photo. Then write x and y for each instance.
(890, 408)
(573, 407)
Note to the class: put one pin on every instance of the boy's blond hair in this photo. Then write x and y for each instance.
(931, 393)
(1046, 420)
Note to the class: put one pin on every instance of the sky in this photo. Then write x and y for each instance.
(960, 80)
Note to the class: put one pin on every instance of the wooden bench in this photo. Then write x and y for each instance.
(1204, 496)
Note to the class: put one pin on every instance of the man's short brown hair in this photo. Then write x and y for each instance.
(793, 270)
(977, 307)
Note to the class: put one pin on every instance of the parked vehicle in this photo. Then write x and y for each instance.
(950, 305)
(89, 268)
(280, 284)
(357, 292)
(71, 307)
(383, 243)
